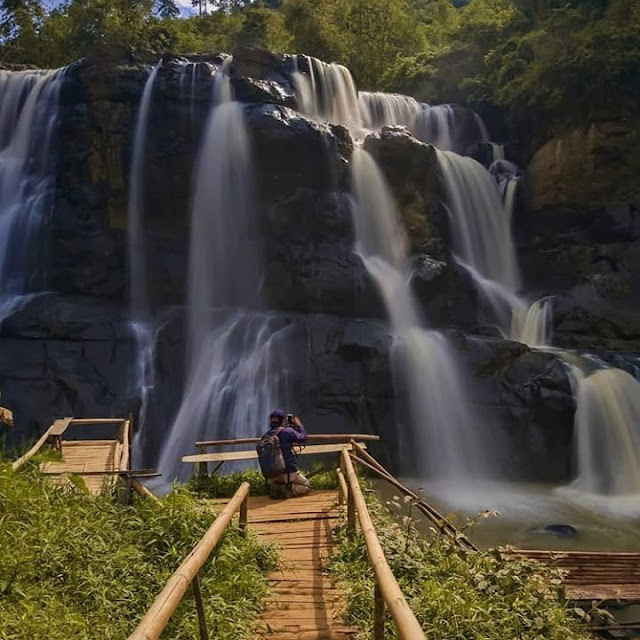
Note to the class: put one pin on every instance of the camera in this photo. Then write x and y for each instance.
(290, 421)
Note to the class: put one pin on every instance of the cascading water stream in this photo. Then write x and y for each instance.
(139, 303)
(137, 249)
(327, 93)
(380, 109)
(446, 439)
(237, 364)
(28, 120)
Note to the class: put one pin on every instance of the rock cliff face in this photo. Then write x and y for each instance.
(72, 351)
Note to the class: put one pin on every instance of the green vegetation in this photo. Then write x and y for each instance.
(552, 64)
(478, 595)
(224, 486)
(75, 566)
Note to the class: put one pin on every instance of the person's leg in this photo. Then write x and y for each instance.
(299, 484)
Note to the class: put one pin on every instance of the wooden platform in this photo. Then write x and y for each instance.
(591, 575)
(82, 457)
(304, 604)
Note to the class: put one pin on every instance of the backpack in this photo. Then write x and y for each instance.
(270, 455)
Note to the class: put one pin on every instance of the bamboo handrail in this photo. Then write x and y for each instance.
(157, 617)
(320, 437)
(440, 521)
(29, 454)
(406, 623)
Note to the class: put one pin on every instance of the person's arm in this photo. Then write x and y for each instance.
(299, 433)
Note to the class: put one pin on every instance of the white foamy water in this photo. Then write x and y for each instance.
(137, 246)
(240, 375)
(607, 425)
(28, 121)
(327, 93)
(236, 367)
(446, 438)
(379, 109)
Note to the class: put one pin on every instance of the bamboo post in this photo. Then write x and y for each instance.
(378, 614)
(157, 617)
(203, 470)
(351, 508)
(243, 515)
(342, 487)
(408, 626)
(197, 596)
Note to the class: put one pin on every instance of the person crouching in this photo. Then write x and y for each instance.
(291, 433)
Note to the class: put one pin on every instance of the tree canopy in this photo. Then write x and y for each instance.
(566, 61)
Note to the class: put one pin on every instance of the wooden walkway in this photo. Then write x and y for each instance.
(594, 575)
(304, 604)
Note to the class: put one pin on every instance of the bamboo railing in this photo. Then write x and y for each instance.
(157, 617)
(387, 592)
(361, 456)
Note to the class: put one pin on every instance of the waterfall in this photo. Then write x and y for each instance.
(137, 254)
(237, 365)
(327, 93)
(533, 326)
(442, 126)
(28, 121)
(607, 425)
(497, 151)
(446, 438)
(380, 109)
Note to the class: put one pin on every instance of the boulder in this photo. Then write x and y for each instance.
(593, 166)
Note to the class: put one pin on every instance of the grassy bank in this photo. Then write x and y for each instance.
(75, 566)
(479, 595)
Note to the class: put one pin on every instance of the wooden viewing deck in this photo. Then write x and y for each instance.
(99, 462)
(304, 604)
(604, 576)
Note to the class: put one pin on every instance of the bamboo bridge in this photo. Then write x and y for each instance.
(304, 603)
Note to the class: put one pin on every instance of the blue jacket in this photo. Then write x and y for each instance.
(289, 437)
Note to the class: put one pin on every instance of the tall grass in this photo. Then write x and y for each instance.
(485, 595)
(77, 567)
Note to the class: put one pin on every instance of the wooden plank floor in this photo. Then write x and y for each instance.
(304, 604)
(80, 456)
(594, 575)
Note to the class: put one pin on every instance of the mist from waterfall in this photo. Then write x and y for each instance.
(28, 123)
(237, 364)
(447, 439)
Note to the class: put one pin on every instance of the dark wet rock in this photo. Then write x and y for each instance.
(445, 292)
(262, 91)
(561, 530)
(292, 152)
(531, 401)
(310, 262)
(410, 169)
(594, 166)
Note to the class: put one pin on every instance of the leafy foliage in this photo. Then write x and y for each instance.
(551, 64)
(478, 595)
(83, 567)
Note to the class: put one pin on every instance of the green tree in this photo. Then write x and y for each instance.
(167, 9)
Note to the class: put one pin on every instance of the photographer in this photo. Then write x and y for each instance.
(290, 432)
